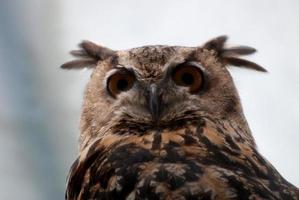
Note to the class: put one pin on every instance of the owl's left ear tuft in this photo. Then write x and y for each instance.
(88, 56)
(230, 56)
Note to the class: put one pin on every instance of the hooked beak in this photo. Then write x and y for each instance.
(154, 101)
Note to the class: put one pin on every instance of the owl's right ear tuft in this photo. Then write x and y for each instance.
(230, 56)
(88, 56)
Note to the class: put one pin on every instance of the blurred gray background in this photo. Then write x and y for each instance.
(40, 103)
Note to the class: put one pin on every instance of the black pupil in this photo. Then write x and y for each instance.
(122, 84)
(187, 78)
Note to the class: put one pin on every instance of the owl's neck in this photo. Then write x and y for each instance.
(234, 125)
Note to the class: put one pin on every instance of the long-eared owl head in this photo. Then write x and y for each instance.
(157, 87)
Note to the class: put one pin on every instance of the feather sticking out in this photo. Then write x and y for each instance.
(89, 54)
(216, 43)
(239, 50)
(79, 64)
(96, 51)
(79, 53)
(243, 63)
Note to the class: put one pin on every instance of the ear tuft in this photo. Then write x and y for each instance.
(216, 44)
(79, 64)
(88, 55)
(238, 62)
(230, 56)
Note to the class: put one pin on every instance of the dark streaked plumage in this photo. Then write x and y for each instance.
(161, 138)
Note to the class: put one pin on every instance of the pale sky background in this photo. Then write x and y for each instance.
(40, 103)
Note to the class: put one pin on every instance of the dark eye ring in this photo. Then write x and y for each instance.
(120, 81)
(189, 75)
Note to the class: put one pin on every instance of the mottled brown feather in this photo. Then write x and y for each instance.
(179, 169)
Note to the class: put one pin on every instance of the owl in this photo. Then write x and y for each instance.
(166, 122)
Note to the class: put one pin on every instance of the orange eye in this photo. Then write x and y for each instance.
(119, 82)
(188, 75)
